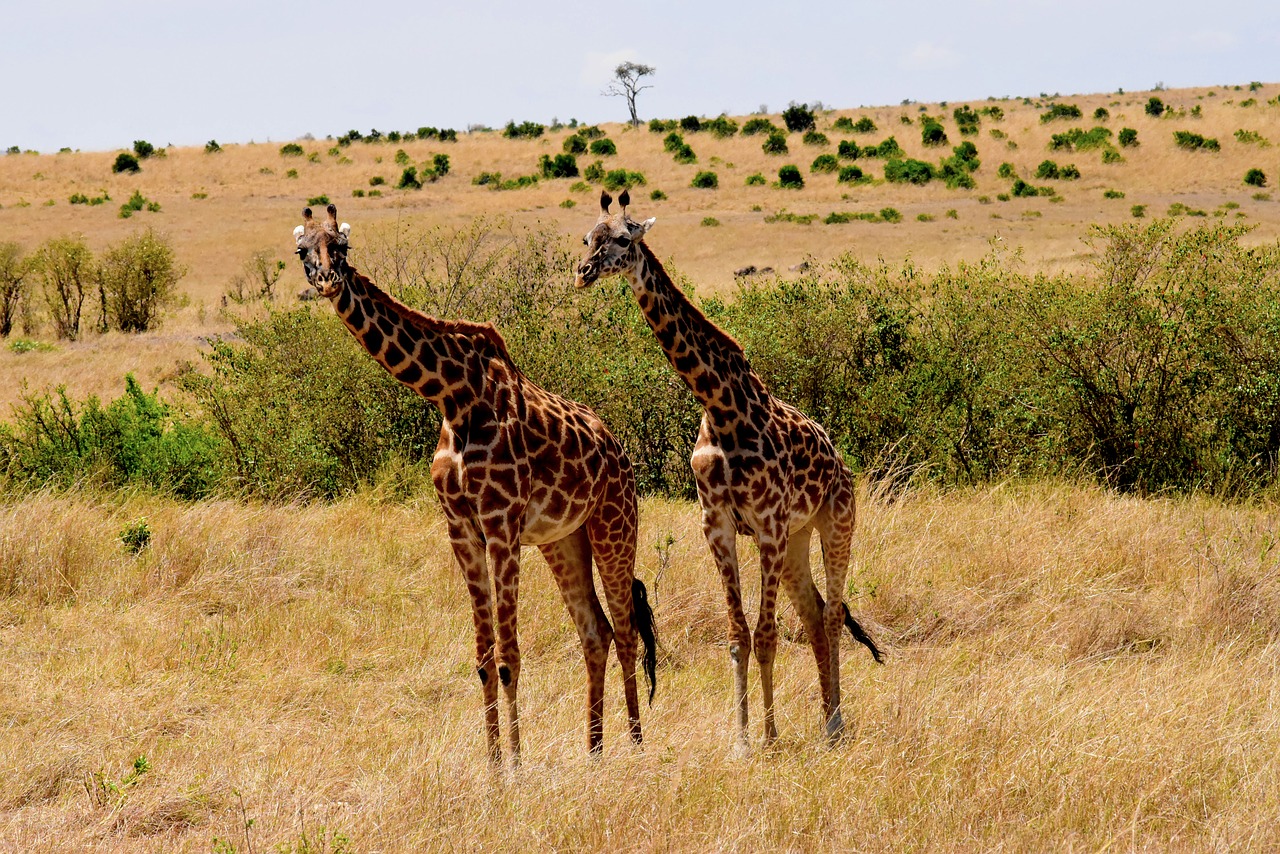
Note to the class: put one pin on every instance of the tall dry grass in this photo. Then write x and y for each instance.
(1068, 669)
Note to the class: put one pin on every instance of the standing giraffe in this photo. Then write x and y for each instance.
(762, 468)
(516, 465)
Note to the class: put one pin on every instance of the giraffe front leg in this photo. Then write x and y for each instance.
(468, 550)
(721, 536)
(504, 558)
(835, 528)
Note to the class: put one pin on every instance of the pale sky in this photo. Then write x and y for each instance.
(97, 75)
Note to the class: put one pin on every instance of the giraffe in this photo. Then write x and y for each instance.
(516, 465)
(762, 468)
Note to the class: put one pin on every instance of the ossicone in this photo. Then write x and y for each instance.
(605, 201)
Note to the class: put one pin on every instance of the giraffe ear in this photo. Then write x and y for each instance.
(642, 228)
(306, 214)
(298, 232)
(345, 229)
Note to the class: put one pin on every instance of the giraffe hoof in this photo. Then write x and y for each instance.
(835, 728)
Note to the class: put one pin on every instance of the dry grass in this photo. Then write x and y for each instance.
(1069, 669)
(247, 209)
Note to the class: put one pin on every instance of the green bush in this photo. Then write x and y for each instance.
(1081, 140)
(1255, 178)
(662, 125)
(603, 147)
(1021, 189)
(524, 130)
(291, 149)
(1249, 137)
(409, 179)
(1047, 170)
(1194, 142)
(775, 144)
(886, 150)
(15, 271)
(673, 142)
(890, 215)
(996, 114)
(825, 163)
(967, 120)
(125, 162)
(705, 181)
(594, 172)
(212, 147)
(575, 144)
(1128, 138)
(1060, 111)
(721, 127)
(908, 171)
(799, 118)
(1138, 211)
(756, 179)
(560, 166)
(138, 278)
(1101, 114)
(932, 132)
(790, 177)
(710, 222)
(759, 124)
(1113, 194)
(134, 441)
(1154, 107)
(621, 179)
(851, 175)
(1006, 170)
(691, 124)
(848, 149)
(815, 138)
(864, 125)
(64, 268)
(143, 149)
(685, 154)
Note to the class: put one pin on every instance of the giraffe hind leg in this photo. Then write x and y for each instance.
(570, 562)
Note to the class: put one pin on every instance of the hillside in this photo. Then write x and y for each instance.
(219, 209)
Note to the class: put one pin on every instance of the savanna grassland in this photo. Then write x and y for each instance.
(1070, 666)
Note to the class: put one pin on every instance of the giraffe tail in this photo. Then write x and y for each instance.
(861, 636)
(642, 620)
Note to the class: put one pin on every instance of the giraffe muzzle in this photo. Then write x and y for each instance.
(588, 272)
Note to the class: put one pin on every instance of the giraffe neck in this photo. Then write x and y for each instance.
(712, 364)
(445, 361)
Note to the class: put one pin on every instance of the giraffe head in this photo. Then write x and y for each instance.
(612, 245)
(322, 246)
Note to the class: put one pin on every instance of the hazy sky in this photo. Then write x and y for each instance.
(98, 75)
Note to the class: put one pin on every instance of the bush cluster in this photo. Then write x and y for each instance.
(1060, 111)
(1157, 370)
(758, 125)
(524, 130)
(1194, 142)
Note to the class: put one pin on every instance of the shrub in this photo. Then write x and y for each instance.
(657, 196)
(691, 124)
(594, 172)
(1101, 114)
(890, 215)
(817, 138)
(377, 180)
(560, 166)
(291, 149)
(14, 270)
(139, 278)
(705, 181)
(798, 118)
(1255, 178)
(524, 130)
(967, 120)
(1069, 172)
(620, 179)
(685, 154)
(864, 125)
(489, 179)
(908, 171)
(409, 179)
(1250, 137)
(1047, 170)
(757, 125)
(575, 144)
(887, 149)
(789, 176)
(851, 175)
(1113, 194)
(401, 158)
(1155, 107)
(844, 123)
(996, 114)
(603, 147)
(1138, 211)
(710, 221)
(1006, 170)
(721, 127)
(1060, 111)
(125, 162)
(847, 149)
(673, 142)
(212, 147)
(825, 163)
(756, 179)
(775, 144)
(1128, 138)
(1081, 140)
(1110, 155)
(1022, 189)
(662, 125)
(1194, 141)
(932, 133)
(64, 267)
(318, 201)
(143, 149)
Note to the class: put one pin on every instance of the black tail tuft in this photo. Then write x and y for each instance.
(642, 620)
(860, 636)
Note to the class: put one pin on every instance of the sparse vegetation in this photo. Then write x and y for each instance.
(705, 180)
(1057, 112)
(1255, 178)
(1194, 142)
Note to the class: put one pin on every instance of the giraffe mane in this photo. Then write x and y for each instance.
(485, 331)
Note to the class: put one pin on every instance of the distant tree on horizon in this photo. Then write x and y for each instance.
(626, 84)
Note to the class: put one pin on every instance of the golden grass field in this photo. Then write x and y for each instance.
(1068, 668)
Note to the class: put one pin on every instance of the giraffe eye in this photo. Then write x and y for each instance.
(622, 241)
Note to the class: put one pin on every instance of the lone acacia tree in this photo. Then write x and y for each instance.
(626, 84)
